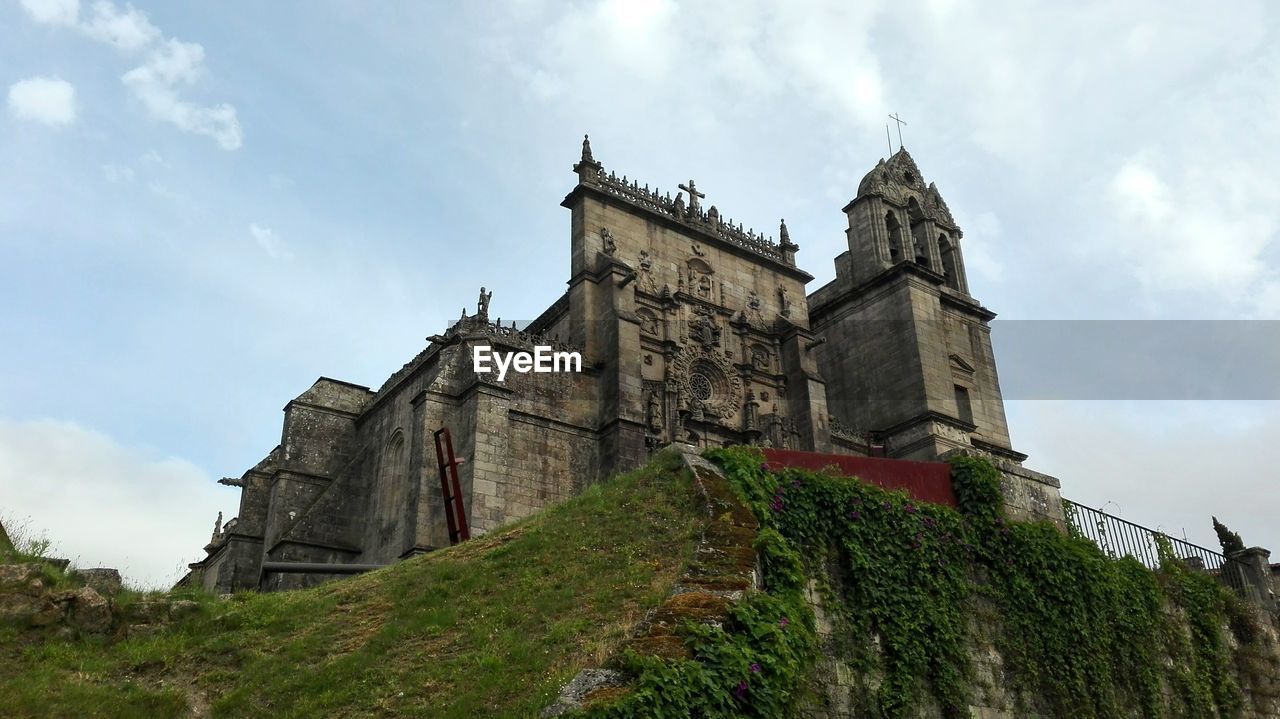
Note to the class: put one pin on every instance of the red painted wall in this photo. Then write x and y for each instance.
(925, 481)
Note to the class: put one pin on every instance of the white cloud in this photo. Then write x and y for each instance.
(1181, 236)
(177, 63)
(117, 173)
(170, 65)
(105, 504)
(270, 242)
(47, 100)
(53, 12)
(129, 30)
(702, 55)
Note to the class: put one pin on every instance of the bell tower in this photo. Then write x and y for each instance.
(908, 357)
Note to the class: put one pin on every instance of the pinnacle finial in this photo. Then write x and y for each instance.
(586, 149)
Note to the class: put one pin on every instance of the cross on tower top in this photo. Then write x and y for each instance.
(900, 122)
(694, 195)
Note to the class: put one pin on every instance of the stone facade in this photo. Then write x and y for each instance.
(690, 328)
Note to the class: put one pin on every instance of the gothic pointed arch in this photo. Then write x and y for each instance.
(893, 228)
(950, 264)
(919, 232)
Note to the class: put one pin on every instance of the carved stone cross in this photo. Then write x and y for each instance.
(694, 195)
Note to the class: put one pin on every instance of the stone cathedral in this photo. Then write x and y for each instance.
(691, 329)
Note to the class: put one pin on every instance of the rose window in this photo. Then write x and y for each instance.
(700, 386)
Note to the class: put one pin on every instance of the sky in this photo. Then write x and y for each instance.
(207, 206)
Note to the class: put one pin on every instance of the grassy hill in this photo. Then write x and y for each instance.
(493, 627)
(875, 605)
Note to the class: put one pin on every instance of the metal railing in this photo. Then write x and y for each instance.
(1117, 537)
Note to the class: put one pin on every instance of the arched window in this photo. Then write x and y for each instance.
(950, 269)
(895, 235)
(392, 491)
(919, 241)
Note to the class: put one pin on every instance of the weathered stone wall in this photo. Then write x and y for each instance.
(536, 445)
(836, 687)
(875, 334)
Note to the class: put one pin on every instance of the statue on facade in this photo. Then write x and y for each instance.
(653, 410)
(704, 287)
(482, 306)
(705, 331)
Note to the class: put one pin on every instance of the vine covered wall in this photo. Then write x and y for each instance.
(877, 605)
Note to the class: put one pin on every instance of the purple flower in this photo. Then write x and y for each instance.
(755, 668)
(776, 504)
(764, 466)
(911, 508)
(740, 691)
(784, 622)
(855, 515)
(795, 483)
(887, 505)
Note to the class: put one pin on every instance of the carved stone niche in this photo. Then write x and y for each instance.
(649, 323)
(701, 282)
(654, 403)
(706, 381)
(704, 330)
(648, 282)
(760, 358)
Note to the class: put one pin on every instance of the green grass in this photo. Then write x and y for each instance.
(493, 627)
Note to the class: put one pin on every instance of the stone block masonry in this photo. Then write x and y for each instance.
(680, 325)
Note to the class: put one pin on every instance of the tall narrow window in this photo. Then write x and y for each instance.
(919, 241)
(949, 268)
(895, 235)
(963, 407)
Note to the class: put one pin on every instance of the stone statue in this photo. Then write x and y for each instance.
(217, 526)
(705, 331)
(784, 237)
(653, 410)
(610, 246)
(482, 307)
(704, 287)
(784, 302)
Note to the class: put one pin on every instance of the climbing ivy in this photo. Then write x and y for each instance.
(1081, 634)
(902, 566)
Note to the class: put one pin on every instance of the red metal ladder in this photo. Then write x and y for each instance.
(454, 511)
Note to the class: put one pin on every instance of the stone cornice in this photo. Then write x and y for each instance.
(735, 241)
